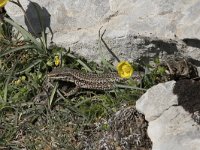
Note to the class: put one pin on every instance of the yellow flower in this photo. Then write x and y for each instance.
(125, 70)
(3, 3)
(20, 80)
(56, 60)
(17, 82)
(23, 78)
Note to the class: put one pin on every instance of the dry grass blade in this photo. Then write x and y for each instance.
(52, 95)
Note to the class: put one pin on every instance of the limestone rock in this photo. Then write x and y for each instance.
(153, 104)
(169, 108)
(135, 29)
(174, 129)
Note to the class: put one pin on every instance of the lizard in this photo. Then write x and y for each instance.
(82, 80)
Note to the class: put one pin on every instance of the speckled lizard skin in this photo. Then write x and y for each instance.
(84, 80)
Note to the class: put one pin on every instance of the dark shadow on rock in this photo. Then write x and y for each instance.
(159, 48)
(192, 42)
(37, 19)
(194, 62)
(188, 92)
(168, 47)
(2, 13)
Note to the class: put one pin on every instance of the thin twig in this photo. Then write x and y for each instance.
(109, 50)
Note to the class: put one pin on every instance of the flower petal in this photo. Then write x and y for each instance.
(3, 3)
(125, 70)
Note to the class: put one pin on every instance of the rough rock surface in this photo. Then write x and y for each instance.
(135, 29)
(127, 131)
(169, 108)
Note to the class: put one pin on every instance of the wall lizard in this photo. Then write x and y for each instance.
(84, 80)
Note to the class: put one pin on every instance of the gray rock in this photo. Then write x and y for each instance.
(171, 126)
(136, 29)
(174, 129)
(153, 99)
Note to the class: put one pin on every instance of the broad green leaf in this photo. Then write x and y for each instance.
(26, 34)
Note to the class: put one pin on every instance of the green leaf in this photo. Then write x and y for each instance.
(30, 66)
(129, 87)
(25, 47)
(6, 85)
(26, 34)
(80, 62)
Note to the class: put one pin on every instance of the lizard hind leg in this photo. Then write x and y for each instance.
(72, 91)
